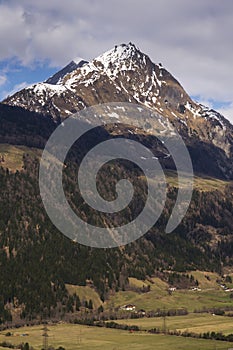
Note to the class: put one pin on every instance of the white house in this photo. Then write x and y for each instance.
(128, 307)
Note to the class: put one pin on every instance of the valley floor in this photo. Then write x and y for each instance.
(73, 337)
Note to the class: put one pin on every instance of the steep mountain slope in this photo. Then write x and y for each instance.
(21, 127)
(125, 74)
(36, 261)
(57, 77)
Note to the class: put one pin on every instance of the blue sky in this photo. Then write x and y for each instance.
(18, 76)
(192, 39)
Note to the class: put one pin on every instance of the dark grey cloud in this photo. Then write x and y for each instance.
(192, 39)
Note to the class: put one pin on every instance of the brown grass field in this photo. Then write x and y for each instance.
(73, 337)
(196, 323)
(13, 156)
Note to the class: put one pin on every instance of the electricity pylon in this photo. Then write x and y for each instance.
(45, 338)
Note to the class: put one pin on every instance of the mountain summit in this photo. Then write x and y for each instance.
(122, 74)
(57, 77)
(125, 74)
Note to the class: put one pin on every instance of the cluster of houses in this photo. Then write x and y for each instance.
(132, 308)
(224, 287)
(173, 289)
(196, 289)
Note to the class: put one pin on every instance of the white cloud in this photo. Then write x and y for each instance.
(192, 39)
(205, 102)
(227, 112)
(3, 80)
(16, 87)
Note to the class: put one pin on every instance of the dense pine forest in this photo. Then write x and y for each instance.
(36, 260)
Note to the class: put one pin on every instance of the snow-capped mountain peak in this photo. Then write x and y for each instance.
(73, 65)
(118, 53)
(78, 60)
(125, 74)
(122, 57)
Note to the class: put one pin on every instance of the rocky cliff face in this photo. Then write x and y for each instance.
(57, 77)
(125, 74)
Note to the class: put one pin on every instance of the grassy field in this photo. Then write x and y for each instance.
(204, 184)
(85, 293)
(73, 337)
(200, 183)
(197, 323)
(210, 295)
(190, 300)
(13, 156)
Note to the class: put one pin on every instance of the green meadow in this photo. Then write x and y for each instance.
(73, 337)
